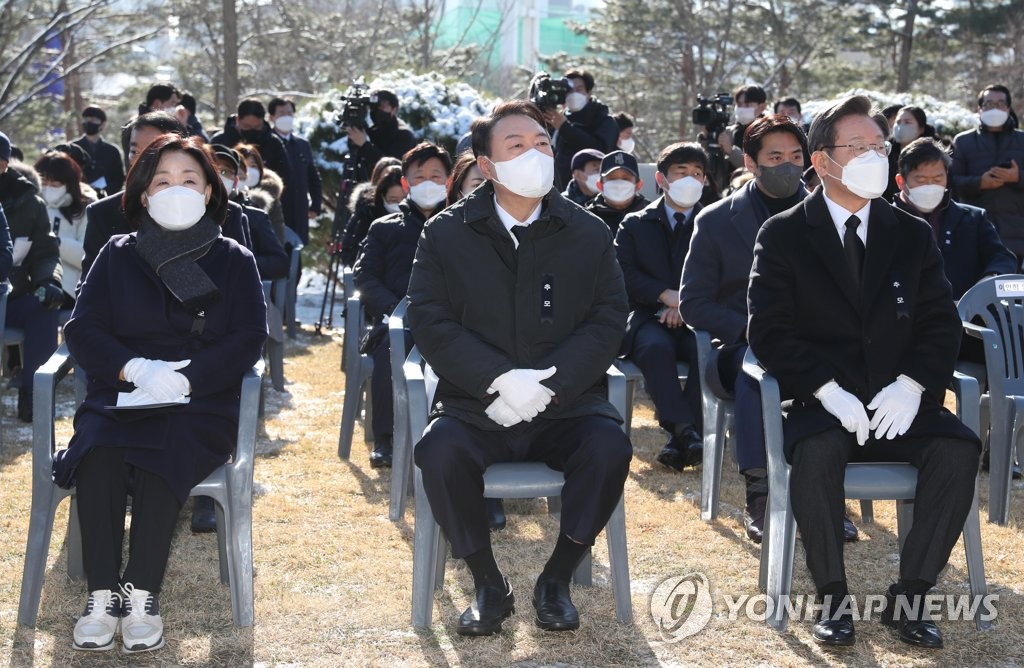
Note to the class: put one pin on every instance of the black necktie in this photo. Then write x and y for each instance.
(519, 231)
(680, 220)
(854, 248)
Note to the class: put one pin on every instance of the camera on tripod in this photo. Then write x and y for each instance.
(355, 106)
(712, 113)
(548, 93)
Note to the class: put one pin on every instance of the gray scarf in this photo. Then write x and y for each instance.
(173, 255)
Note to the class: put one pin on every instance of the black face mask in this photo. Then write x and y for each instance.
(252, 136)
(780, 181)
(382, 118)
(91, 127)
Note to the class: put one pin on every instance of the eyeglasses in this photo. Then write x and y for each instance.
(995, 104)
(860, 149)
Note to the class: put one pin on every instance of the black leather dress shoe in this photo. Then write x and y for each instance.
(753, 518)
(204, 516)
(684, 449)
(835, 632)
(491, 606)
(381, 455)
(495, 514)
(850, 534)
(912, 623)
(555, 611)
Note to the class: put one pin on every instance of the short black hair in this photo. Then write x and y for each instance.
(161, 92)
(789, 102)
(95, 112)
(754, 136)
(422, 152)
(159, 120)
(251, 106)
(484, 126)
(998, 88)
(922, 151)
(389, 177)
(189, 102)
(279, 102)
(823, 127)
(682, 153)
(624, 120)
(579, 73)
(384, 95)
(891, 111)
(750, 93)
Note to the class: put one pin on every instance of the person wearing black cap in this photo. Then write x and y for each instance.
(619, 188)
(586, 172)
(105, 169)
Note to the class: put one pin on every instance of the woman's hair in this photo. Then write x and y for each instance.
(250, 151)
(144, 169)
(921, 118)
(59, 166)
(459, 173)
(382, 164)
(389, 177)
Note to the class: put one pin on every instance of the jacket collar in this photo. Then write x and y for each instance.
(478, 211)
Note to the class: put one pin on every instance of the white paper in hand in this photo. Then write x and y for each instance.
(139, 398)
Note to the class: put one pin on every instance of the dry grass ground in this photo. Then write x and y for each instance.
(333, 574)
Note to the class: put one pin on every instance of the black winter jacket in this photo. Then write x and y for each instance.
(590, 127)
(27, 219)
(478, 307)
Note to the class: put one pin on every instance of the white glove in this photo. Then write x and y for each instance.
(522, 391)
(159, 379)
(895, 407)
(502, 413)
(847, 408)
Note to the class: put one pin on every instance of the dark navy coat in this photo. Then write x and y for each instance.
(125, 311)
(970, 245)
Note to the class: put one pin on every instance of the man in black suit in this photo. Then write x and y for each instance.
(651, 246)
(305, 184)
(105, 169)
(850, 311)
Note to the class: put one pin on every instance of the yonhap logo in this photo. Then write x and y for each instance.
(681, 606)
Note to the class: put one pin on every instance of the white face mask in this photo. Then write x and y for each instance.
(866, 175)
(529, 174)
(229, 184)
(627, 144)
(56, 196)
(745, 115)
(176, 208)
(619, 190)
(252, 177)
(576, 101)
(427, 194)
(284, 123)
(592, 180)
(926, 198)
(995, 118)
(392, 207)
(686, 191)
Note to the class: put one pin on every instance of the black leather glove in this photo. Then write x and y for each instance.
(51, 296)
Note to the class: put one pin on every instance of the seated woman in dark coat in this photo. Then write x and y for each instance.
(171, 314)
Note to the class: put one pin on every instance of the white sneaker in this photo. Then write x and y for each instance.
(141, 627)
(95, 629)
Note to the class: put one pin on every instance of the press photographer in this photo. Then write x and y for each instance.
(383, 135)
(712, 114)
(584, 123)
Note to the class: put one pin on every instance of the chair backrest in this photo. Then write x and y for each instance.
(998, 301)
(292, 239)
(650, 187)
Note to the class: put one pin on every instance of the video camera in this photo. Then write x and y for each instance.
(355, 106)
(548, 93)
(713, 114)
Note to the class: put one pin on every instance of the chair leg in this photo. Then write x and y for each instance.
(618, 557)
(367, 407)
(235, 522)
(401, 464)
(554, 505)
(904, 520)
(630, 394)
(584, 573)
(424, 558)
(867, 511)
(37, 547)
(223, 548)
(975, 560)
(1001, 462)
(76, 565)
(782, 546)
(275, 354)
(711, 473)
(349, 411)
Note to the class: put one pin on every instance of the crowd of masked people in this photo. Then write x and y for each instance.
(541, 264)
